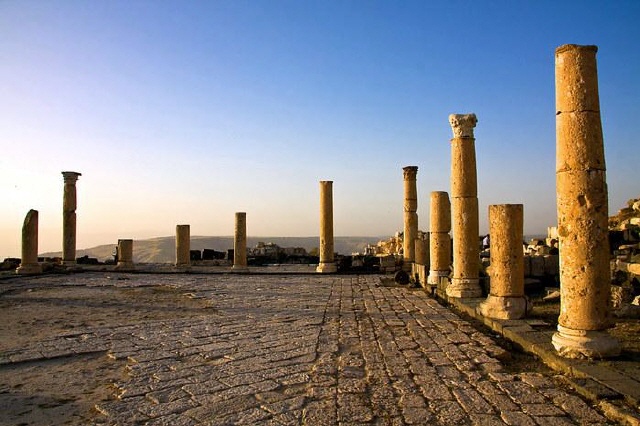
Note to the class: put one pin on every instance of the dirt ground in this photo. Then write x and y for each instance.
(64, 390)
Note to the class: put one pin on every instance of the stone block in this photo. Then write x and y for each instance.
(537, 266)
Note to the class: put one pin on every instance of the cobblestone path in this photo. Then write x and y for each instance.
(312, 350)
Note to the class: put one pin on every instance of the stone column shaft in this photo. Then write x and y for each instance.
(506, 298)
(125, 255)
(29, 259)
(582, 204)
(464, 193)
(439, 239)
(410, 215)
(422, 251)
(240, 243)
(69, 205)
(327, 261)
(183, 246)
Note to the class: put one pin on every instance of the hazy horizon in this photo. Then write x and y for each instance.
(187, 112)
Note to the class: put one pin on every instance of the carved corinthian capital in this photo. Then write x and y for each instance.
(410, 172)
(462, 125)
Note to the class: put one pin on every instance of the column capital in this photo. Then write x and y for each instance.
(71, 177)
(577, 47)
(410, 172)
(462, 125)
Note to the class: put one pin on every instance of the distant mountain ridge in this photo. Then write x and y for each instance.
(162, 249)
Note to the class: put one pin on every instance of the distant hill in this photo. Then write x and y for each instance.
(162, 249)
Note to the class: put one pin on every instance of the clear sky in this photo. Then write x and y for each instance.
(186, 112)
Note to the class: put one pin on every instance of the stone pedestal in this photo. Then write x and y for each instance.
(464, 199)
(69, 206)
(125, 255)
(506, 298)
(327, 262)
(29, 261)
(582, 205)
(183, 246)
(410, 216)
(240, 243)
(439, 239)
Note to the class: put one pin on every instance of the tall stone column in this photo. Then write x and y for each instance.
(29, 260)
(327, 263)
(506, 298)
(410, 216)
(125, 255)
(69, 205)
(183, 246)
(582, 205)
(439, 239)
(464, 193)
(240, 243)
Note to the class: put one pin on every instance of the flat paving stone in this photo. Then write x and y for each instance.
(293, 350)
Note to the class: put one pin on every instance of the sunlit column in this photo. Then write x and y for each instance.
(183, 246)
(327, 262)
(582, 204)
(125, 255)
(410, 215)
(440, 241)
(464, 194)
(506, 298)
(29, 259)
(69, 205)
(240, 243)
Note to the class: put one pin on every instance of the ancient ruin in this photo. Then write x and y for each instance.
(29, 261)
(327, 262)
(439, 239)
(506, 298)
(410, 215)
(183, 245)
(582, 203)
(125, 255)
(240, 243)
(464, 202)
(69, 206)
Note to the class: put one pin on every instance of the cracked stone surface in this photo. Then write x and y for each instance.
(126, 349)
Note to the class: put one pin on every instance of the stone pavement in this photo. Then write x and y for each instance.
(307, 349)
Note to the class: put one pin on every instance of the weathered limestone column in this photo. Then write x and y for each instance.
(506, 298)
(410, 216)
(183, 246)
(327, 263)
(29, 259)
(582, 204)
(125, 255)
(240, 243)
(464, 193)
(439, 239)
(69, 205)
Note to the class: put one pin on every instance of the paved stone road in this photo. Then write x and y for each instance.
(312, 350)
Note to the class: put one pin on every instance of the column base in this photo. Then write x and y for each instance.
(435, 277)
(505, 307)
(183, 266)
(125, 266)
(407, 266)
(29, 269)
(464, 288)
(327, 268)
(239, 269)
(571, 343)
